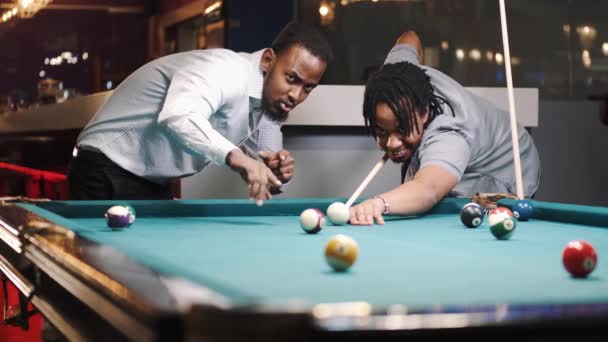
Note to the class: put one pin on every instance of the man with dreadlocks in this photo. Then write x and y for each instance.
(449, 141)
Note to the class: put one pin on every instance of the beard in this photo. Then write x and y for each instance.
(275, 114)
(277, 117)
(271, 111)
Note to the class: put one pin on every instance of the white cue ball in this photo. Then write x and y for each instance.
(338, 213)
(312, 220)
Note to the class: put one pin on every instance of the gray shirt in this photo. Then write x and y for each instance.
(176, 114)
(475, 144)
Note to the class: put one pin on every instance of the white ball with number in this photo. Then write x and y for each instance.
(312, 220)
(338, 213)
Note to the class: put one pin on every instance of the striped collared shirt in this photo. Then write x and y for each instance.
(175, 115)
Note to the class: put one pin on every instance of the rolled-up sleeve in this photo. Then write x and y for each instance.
(448, 149)
(402, 53)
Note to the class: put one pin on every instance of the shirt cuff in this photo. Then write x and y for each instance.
(199, 138)
(220, 153)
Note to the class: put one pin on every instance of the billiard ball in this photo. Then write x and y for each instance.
(132, 214)
(312, 220)
(502, 227)
(118, 217)
(338, 213)
(501, 211)
(523, 210)
(496, 218)
(579, 258)
(341, 252)
(472, 215)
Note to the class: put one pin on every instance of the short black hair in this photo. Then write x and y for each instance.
(406, 89)
(306, 36)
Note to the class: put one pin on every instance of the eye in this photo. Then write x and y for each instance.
(308, 89)
(381, 133)
(290, 78)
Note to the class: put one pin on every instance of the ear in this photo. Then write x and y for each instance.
(268, 59)
(424, 116)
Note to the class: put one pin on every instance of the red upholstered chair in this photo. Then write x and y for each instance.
(17, 180)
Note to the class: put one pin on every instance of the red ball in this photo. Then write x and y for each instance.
(579, 258)
(501, 210)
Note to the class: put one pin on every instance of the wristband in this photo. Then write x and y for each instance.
(386, 205)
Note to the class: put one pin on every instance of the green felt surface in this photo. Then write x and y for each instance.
(421, 262)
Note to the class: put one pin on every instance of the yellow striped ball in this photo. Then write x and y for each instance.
(341, 252)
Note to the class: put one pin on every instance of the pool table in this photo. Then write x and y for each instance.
(227, 269)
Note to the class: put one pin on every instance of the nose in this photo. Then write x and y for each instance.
(394, 141)
(295, 94)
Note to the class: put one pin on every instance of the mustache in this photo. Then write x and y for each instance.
(290, 103)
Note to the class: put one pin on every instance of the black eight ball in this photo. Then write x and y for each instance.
(472, 215)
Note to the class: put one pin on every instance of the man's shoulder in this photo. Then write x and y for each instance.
(220, 53)
(444, 129)
(216, 55)
(221, 62)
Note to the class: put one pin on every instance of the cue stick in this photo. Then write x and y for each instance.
(514, 138)
(367, 179)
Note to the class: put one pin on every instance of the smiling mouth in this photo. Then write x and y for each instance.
(401, 155)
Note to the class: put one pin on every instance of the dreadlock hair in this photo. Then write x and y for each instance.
(407, 90)
(305, 36)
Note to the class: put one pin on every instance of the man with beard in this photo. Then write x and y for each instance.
(179, 113)
(449, 141)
